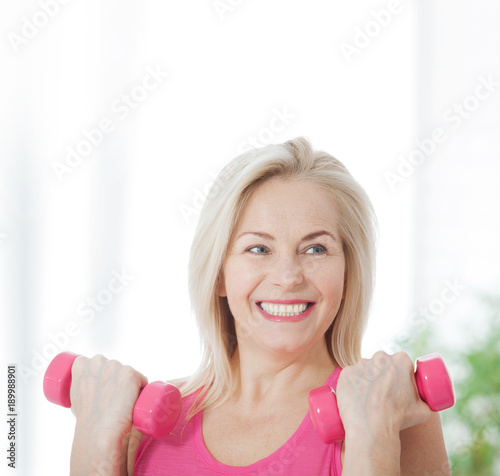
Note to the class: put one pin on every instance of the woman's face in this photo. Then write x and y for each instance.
(282, 263)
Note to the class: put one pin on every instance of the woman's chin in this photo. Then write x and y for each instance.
(292, 345)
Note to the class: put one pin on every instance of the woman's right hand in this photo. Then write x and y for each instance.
(103, 394)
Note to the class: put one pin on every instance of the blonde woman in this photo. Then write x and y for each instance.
(283, 223)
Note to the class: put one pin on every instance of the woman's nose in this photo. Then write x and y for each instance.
(287, 271)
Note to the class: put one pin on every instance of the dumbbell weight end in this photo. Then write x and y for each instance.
(433, 383)
(156, 411)
(57, 379)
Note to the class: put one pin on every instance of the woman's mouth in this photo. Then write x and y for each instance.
(285, 312)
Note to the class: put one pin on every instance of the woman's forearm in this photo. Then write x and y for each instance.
(103, 394)
(95, 455)
(367, 456)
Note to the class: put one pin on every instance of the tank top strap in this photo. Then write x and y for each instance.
(334, 377)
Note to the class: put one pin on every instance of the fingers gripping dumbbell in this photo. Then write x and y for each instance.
(433, 383)
(156, 411)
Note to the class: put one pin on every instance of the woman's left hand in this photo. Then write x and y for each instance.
(381, 391)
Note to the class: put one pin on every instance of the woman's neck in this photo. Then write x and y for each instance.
(265, 378)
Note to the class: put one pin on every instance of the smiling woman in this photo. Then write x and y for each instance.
(305, 190)
(281, 277)
(289, 228)
(292, 268)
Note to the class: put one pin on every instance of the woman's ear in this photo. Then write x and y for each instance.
(221, 287)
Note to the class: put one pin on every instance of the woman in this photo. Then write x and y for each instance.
(283, 223)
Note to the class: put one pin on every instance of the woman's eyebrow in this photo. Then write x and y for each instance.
(310, 236)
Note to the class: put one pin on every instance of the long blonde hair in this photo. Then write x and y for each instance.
(294, 159)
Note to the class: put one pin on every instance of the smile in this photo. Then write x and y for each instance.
(285, 313)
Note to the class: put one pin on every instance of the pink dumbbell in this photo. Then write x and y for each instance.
(434, 387)
(156, 410)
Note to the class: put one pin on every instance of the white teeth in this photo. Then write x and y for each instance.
(283, 310)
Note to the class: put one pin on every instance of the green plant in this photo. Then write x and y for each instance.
(472, 426)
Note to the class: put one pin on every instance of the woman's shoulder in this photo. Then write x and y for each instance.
(138, 442)
(179, 382)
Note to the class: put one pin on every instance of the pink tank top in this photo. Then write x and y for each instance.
(183, 452)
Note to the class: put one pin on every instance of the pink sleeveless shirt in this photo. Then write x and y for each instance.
(183, 452)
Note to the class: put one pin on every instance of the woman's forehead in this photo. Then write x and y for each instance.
(290, 202)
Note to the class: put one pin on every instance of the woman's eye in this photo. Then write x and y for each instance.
(256, 247)
(318, 246)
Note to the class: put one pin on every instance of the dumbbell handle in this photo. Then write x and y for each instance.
(433, 383)
(156, 410)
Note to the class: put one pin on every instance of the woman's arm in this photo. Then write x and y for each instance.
(418, 450)
(423, 450)
(103, 393)
(389, 430)
(95, 453)
(368, 456)
(132, 443)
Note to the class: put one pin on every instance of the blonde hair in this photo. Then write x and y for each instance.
(294, 159)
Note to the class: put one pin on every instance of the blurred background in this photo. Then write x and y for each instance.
(117, 117)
